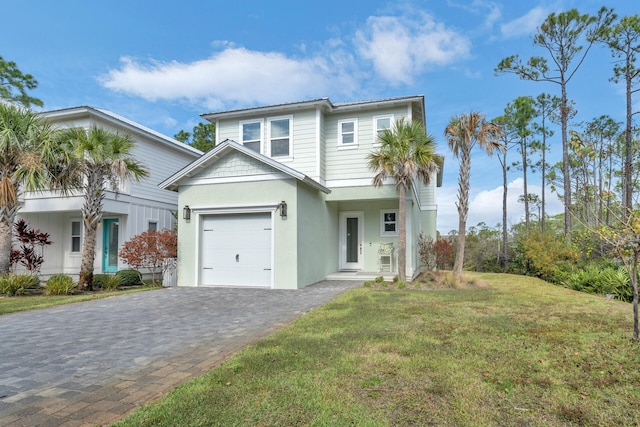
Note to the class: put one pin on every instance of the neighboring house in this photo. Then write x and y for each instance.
(138, 206)
(286, 197)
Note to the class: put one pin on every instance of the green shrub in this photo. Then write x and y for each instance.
(379, 279)
(18, 284)
(129, 277)
(109, 282)
(595, 279)
(401, 284)
(60, 284)
(368, 283)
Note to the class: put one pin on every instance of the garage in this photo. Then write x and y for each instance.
(236, 250)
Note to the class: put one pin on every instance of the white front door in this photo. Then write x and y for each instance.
(236, 250)
(351, 237)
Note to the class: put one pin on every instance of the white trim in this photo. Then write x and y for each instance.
(375, 126)
(200, 212)
(342, 247)
(269, 138)
(384, 233)
(350, 145)
(428, 207)
(261, 133)
(318, 149)
(357, 182)
(239, 178)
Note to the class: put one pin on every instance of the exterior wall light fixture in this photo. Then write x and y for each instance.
(186, 213)
(283, 209)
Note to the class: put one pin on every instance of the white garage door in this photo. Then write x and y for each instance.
(236, 250)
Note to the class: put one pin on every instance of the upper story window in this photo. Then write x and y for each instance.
(280, 137)
(380, 124)
(251, 135)
(348, 133)
(389, 222)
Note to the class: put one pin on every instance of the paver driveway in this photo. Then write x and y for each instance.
(93, 362)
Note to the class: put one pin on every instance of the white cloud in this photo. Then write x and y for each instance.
(486, 206)
(402, 46)
(231, 77)
(526, 24)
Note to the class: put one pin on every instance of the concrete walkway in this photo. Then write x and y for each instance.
(94, 362)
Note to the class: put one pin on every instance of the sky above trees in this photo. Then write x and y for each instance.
(163, 63)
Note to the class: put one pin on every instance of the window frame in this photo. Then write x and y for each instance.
(376, 131)
(155, 223)
(76, 236)
(260, 141)
(270, 139)
(383, 222)
(347, 145)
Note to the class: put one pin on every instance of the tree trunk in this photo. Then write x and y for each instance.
(564, 118)
(463, 207)
(85, 281)
(525, 189)
(628, 158)
(92, 214)
(505, 189)
(402, 233)
(6, 229)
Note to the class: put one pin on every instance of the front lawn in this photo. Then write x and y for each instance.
(517, 352)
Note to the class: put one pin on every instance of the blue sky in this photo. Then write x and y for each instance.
(163, 63)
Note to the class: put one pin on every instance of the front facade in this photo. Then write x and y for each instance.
(286, 197)
(137, 207)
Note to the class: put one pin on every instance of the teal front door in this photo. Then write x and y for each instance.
(110, 246)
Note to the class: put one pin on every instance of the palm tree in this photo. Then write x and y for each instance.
(25, 157)
(463, 133)
(406, 152)
(96, 158)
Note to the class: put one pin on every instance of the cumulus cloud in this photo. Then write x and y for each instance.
(232, 76)
(401, 46)
(486, 206)
(396, 48)
(526, 24)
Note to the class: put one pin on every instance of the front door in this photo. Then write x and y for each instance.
(110, 246)
(351, 237)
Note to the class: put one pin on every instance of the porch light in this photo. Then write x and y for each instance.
(283, 209)
(186, 213)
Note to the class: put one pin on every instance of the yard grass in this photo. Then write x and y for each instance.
(517, 352)
(31, 302)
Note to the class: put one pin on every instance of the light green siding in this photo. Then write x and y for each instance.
(236, 164)
(351, 163)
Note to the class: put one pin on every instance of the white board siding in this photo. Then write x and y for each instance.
(236, 250)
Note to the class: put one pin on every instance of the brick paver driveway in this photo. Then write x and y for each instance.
(93, 362)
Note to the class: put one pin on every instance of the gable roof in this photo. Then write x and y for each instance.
(109, 116)
(222, 149)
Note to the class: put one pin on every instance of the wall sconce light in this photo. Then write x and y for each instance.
(186, 212)
(283, 209)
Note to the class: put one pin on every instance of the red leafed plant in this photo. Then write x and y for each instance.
(150, 249)
(29, 239)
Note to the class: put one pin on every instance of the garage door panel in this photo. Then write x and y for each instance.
(236, 250)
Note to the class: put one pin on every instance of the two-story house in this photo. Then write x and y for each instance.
(136, 207)
(286, 197)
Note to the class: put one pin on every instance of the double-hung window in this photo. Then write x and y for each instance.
(76, 235)
(380, 124)
(348, 133)
(251, 135)
(389, 222)
(280, 136)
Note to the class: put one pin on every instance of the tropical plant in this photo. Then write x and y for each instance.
(95, 159)
(17, 284)
(26, 156)
(406, 153)
(60, 284)
(463, 133)
(27, 254)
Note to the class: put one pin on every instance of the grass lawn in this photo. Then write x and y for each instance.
(519, 352)
(30, 302)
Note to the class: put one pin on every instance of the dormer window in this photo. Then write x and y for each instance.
(251, 135)
(280, 136)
